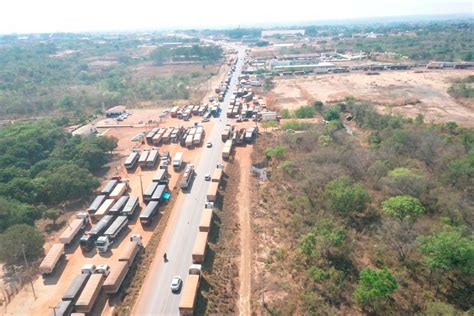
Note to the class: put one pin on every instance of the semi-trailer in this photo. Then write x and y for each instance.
(199, 249)
(197, 139)
(63, 308)
(119, 205)
(212, 191)
(178, 161)
(146, 217)
(104, 242)
(143, 158)
(161, 176)
(131, 249)
(158, 193)
(227, 150)
(187, 177)
(89, 294)
(109, 187)
(119, 190)
(117, 274)
(52, 258)
(131, 207)
(96, 203)
(189, 295)
(87, 241)
(206, 220)
(152, 158)
(189, 140)
(217, 175)
(74, 227)
(103, 209)
(250, 134)
(149, 191)
(149, 136)
(131, 160)
(75, 288)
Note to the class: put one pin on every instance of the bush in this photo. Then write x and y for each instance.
(403, 208)
(285, 113)
(305, 112)
(343, 196)
(374, 287)
(331, 113)
(296, 125)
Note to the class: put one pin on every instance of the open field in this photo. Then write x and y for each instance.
(404, 92)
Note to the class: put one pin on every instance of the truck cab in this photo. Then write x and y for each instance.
(88, 268)
(103, 243)
(87, 242)
(103, 269)
(137, 238)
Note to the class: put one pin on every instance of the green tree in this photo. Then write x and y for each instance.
(403, 208)
(331, 113)
(318, 106)
(374, 287)
(269, 124)
(305, 112)
(325, 235)
(13, 212)
(285, 113)
(275, 153)
(343, 196)
(17, 236)
(52, 214)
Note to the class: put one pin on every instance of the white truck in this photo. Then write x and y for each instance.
(104, 242)
(178, 161)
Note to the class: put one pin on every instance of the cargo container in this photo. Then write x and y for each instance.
(88, 240)
(74, 228)
(109, 187)
(149, 191)
(206, 220)
(161, 176)
(178, 161)
(130, 250)
(197, 139)
(227, 150)
(131, 207)
(250, 134)
(96, 203)
(117, 274)
(143, 158)
(149, 136)
(217, 175)
(119, 205)
(103, 209)
(189, 140)
(89, 294)
(212, 191)
(199, 249)
(104, 242)
(131, 161)
(152, 158)
(52, 258)
(75, 288)
(187, 177)
(157, 194)
(156, 140)
(119, 190)
(63, 308)
(146, 217)
(189, 295)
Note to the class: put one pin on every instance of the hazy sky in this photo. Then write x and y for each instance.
(24, 16)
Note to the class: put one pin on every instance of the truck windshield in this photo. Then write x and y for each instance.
(100, 243)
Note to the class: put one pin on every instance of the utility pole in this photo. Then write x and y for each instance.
(54, 310)
(141, 186)
(27, 267)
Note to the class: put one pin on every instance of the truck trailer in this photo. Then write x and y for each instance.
(149, 191)
(143, 158)
(178, 161)
(161, 176)
(131, 249)
(217, 175)
(87, 241)
(73, 228)
(117, 274)
(189, 295)
(104, 242)
(212, 191)
(152, 158)
(187, 177)
(103, 209)
(89, 294)
(199, 249)
(206, 220)
(119, 190)
(63, 308)
(157, 194)
(109, 187)
(119, 205)
(75, 288)
(53, 256)
(146, 217)
(131, 161)
(131, 207)
(96, 203)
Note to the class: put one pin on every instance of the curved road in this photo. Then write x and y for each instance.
(156, 297)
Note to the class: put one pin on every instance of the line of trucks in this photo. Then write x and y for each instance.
(87, 285)
(191, 284)
(185, 136)
(235, 137)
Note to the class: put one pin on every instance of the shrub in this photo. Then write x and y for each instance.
(305, 112)
(296, 125)
(343, 196)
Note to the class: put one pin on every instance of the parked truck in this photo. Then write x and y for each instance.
(52, 258)
(178, 161)
(87, 241)
(199, 249)
(131, 161)
(119, 205)
(63, 308)
(152, 158)
(103, 209)
(131, 249)
(74, 228)
(104, 242)
(96, 203)
(227, 150)
(89, 295)
(161, 176)
(131, 207)
(206, 220)
(117, 274)
(143, 158)
(217, 175)
(119, 190)
(146, 217)
(189, 295)
(149, 136)
(109, 187)
(212, 191)
(75, 288)
(149, 191)
(187, 177)
(158, 193)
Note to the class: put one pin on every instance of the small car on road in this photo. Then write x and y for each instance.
(209, 144)
(207, 177)
(176, 284)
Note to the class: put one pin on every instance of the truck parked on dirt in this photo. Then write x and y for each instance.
(227, 150)
(178, 161)
(149, 191)
(250, 135)
(158, 193)
(212, 191)
(152, 158)
(119, 190)
(131, 207)
(117, 274)
(52, 258)
(74, 228)
(87, 241)
(143, 157)
(103, 209)
(131, 161)
(161, 176)
(104, 242)
(75, 288)
(149, 136)
(206, 220)
(187, 177)
(119, 205)
(131, 249)
(89, 294)
(189, 295)
(63, 308)
(96, 203)
(146, 217)
(109, 187)
(200, 246)
(217, 175)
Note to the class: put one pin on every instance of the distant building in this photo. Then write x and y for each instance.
(116, 111)
(286, 33)
(85, 130)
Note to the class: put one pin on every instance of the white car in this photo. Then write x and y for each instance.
(209, 145)
(207, 177)
(176, 284)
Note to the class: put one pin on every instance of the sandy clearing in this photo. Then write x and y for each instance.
(394, 91)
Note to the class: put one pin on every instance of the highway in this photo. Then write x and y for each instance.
(156, 297)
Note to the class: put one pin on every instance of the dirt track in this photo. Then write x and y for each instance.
(404, 92)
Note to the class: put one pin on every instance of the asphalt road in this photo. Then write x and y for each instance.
(157, 298)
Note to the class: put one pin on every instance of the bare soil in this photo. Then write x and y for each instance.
(405, 92)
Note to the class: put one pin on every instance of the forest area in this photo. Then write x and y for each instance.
(376, 223)
(78, 75)
(42, 167)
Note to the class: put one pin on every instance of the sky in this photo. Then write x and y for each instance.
(38, 16)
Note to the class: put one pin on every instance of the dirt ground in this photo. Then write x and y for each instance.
(149, 70)
(404, 92)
